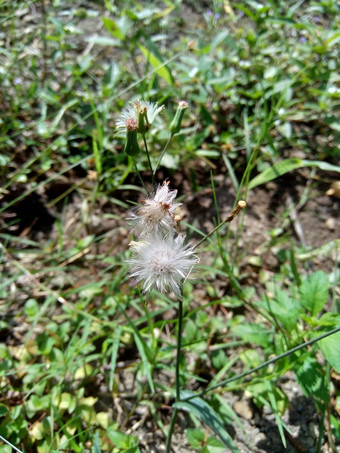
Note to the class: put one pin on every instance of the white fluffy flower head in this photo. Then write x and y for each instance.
(161, 262)
(131, 114)
(157, 213)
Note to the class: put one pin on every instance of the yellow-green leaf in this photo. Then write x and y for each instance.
(156, 63)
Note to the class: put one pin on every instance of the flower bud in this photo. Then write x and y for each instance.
(131, 146)
(175, 125)
(143, 124)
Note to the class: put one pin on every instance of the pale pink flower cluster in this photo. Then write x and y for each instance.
(160, 259)
(129, 117)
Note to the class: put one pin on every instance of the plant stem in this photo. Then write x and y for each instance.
(138, 174)
(177, 376)
(179, 345)
(263, 365)
(162, 154)
(149, 161)
(240, 205)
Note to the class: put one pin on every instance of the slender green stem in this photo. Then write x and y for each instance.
(240, 205)
(138, 174)
(177, 376)
(11, 445)
(171, 430)
(263, 365)
(149, 161)
(162, 154)
(179, 345)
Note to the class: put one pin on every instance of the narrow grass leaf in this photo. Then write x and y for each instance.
(147, 368)
(207, 415)
(96, 444)
(114, 352)
(273, 403)
(287, 165)
(158, 64)
(96, 156)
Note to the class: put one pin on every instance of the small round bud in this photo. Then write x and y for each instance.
(175, 125)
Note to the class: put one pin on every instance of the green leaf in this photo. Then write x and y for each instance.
(253, 333)
(144, 351)
(128, 444)
(114, 353)
(287, 165)
(285, 309)
(158, 64)
(330, 347)
(96, 156)
(3, 410)
(207, 415)
(214, 446)
(96, 444)
(103, 41)
(222, 37)
(112, 27)
(314, 292)
(196, 437)
(311, 378)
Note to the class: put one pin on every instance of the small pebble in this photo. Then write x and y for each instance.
(243, 409)
(330, 223)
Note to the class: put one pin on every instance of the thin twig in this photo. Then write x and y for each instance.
(240, 205)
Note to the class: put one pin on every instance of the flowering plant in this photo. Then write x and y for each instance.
(160, 258)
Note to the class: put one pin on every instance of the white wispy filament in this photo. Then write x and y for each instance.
(161, 262)
(157, 213)
(131, 113)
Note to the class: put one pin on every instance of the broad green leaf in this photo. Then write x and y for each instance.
(330, 347)
(214, 446)
(65, 401)
(3, 410)
(311, 378)
(250, 358)
(329, 319)
(314, 292)
(287, 165)
(207, 415)
(126, 444)
(284, 308)
(157, 63)
(196, 437)
(253, 333)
